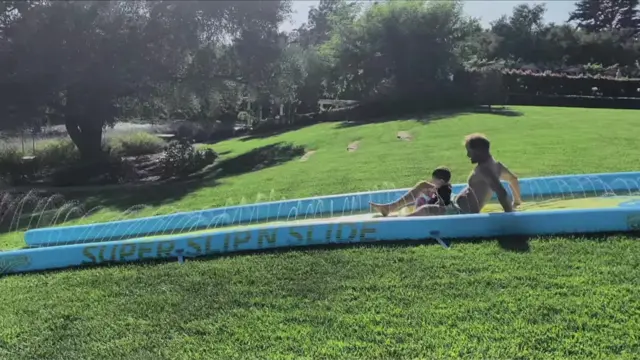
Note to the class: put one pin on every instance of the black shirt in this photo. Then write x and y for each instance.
(442, 196)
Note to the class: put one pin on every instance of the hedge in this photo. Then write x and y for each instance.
(548, 83)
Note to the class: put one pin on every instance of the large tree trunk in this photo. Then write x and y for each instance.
(87, 136)
(83, 125)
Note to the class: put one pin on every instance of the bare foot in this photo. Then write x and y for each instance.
(382, 209)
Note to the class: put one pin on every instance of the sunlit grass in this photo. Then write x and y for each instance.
(573, 298)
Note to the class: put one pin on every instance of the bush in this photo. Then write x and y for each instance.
(56, 153)
(489, 88)
(549, 83)
(16, 170)
(12, 170)
(110, 170)
(181, 159)
(136, 144)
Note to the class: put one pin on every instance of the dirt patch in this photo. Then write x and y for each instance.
(307, 155)
(404, 135)
(353, 146)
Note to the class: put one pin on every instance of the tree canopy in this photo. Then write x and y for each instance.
(89, 64)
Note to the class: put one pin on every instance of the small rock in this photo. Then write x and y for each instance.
(404, 135)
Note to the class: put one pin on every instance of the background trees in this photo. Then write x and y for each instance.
(89, 64)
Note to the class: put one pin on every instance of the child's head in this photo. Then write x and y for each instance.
(440, 176)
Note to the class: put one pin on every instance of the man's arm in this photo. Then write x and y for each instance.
(496, 186)
(506, 174)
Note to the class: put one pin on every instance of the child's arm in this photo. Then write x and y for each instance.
(444, 195)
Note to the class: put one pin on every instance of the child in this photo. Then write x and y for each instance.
(440, 178)
(431, 198)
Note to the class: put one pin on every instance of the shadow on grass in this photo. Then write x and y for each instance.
(426, 118)
(48, 209)
(223, 153)
(78, 204)
(285, 129)
(506, 243)
(259, 158)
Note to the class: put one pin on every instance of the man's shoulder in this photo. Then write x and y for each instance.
(489, 168)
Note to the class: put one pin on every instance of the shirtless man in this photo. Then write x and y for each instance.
(484, 180)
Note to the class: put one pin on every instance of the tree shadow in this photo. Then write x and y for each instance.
(426, 118)
(168, 193)
(259, 158)
(257, 134)
(519, 244)
(499, 111)
(223, 153)
(68, 206)
(71, 205)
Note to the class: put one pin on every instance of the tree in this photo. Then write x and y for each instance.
(399, 49)
(323, 20)
(516, 35)
(601, 15)
(76, 62)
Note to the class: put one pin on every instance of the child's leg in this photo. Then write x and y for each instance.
(421, 188)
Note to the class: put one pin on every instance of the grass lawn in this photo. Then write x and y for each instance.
(565, 298)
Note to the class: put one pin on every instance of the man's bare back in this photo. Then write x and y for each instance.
(485, 179)
(480, 186)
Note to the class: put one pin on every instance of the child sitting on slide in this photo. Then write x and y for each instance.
(440, 177)
(433, 198)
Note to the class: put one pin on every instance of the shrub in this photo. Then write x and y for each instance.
(110, 170)
(56, 153)
(180, 159)
(489, 89)
(11, 169)
(136, 144)
(51, 154)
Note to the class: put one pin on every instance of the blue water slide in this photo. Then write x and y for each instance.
(323, 232)
(334, 205)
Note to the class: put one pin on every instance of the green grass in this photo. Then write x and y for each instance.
(564, 298)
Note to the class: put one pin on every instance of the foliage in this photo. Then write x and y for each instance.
(19, 169)
(90, 64)
(549, 83)
(412, 57)
(12, 171)
(57, 152)
(85, 59)
(136, 144)
(111, 169)
(603, 15)
(325, 20)
(525, 38)
(181, 159)
(489, 89)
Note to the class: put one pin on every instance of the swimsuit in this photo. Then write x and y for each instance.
(442, 198)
